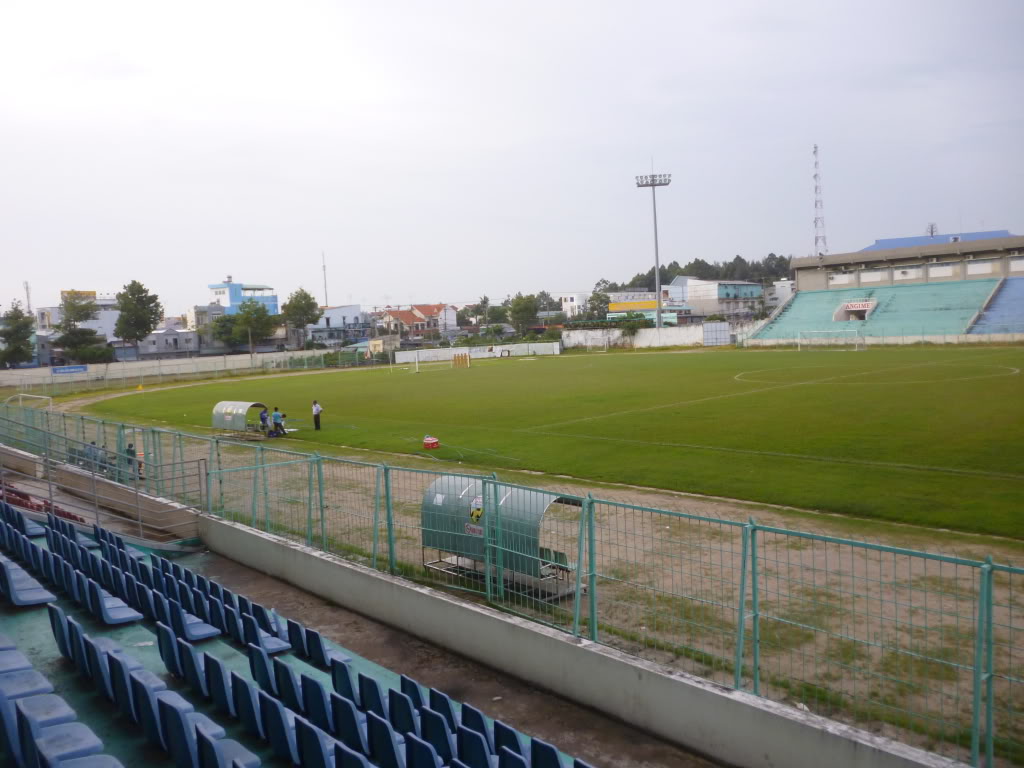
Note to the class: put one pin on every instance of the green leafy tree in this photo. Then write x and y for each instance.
(301, 310)
(140, 313)
(547, 303)
(16, 334)
(223, 329)
(462, 317)
(76, 308)
(523, 312)
(497, 314)
(597, 306)
(252, 323)
(481, 308)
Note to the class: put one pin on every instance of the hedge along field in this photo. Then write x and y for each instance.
(929, 436)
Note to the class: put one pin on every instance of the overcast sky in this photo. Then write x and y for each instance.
(436, 151)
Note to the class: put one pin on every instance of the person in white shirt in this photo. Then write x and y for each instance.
(317, 408)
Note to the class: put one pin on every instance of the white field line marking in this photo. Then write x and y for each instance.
(742, 376)
(799, 456)
(721, 397)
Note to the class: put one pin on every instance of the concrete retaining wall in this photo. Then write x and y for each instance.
(729, 726)
(963, 338)
(158, 515)
(19, 461)
(492, 350)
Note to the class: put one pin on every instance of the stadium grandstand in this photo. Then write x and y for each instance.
(929, 291)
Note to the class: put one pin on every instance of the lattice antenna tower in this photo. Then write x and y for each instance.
(820, 241)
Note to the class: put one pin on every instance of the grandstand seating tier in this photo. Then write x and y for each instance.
(1005, 314)
(929, 309)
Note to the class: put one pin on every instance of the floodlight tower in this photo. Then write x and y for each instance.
(654, 181)
(820, 243)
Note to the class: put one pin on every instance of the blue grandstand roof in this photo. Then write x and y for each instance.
(910, 242)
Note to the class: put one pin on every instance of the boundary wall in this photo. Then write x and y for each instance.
(910, 338)
(698, 334)
(730, 726)
(445, 354)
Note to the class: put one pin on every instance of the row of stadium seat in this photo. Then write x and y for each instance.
(1005, 313)
(901, 310)
(357, 724)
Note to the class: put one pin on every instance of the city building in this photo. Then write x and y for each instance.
(232, 295)
(202, 315)
(48, 318)
(778, 293)
(733, 299)
(339, 325)
(573, 303)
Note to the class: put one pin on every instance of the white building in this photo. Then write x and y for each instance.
(47, 318)
(202, 315)
(779, 293)
(339, 324)
(731, 298)
(573, 303)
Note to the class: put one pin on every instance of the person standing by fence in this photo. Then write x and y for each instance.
(317, 409)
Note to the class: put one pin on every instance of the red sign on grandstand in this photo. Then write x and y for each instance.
(855, 305)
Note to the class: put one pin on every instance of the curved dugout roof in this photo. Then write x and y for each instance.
(231, 414)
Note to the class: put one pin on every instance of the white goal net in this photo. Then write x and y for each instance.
(845, 340)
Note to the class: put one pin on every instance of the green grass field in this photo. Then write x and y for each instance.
(929, 436)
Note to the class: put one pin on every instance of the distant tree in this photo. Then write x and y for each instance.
(223, 329)
(523, 312)
(932, 229)
(140, 313)
(77, 308)
(547, 303)
(253, 323)
(301, 310)
(715, 319)
(498, 314)
(597, 306)
(482, 307)
(16, 334)
(463, 317)
(632, 323)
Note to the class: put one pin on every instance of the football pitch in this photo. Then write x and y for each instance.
(929, 436)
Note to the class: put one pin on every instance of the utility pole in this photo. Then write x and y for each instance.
(28, 298)
(323, 263)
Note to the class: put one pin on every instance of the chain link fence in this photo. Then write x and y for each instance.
(923, 647)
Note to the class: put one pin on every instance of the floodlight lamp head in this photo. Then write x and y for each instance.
(654, 180)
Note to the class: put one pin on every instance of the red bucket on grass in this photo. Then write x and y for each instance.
(431, 443)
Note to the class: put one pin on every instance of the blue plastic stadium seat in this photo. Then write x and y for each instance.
(288, 686)
(66, 742)
(473, 750)
(315, 703)
(13, 661)
(349, 724)
(474, 719)
(413, 690)
(223, 753)
(341, 677)
(435, 731)
(507, 738)
(121, 673)
(35, 714)
(247, 707)
(384, 749)
(510, 759)
(348, 758)
(315, 748)
(21, 589)
(192, 667)
(218, 685)
(319, 653)
(216, 614)
(262, 672)
(92, 761)
(109, 609)
(253, 634)
(279, 727)
(370, 696)
(402, 714)
(232, 625)
(297, 638)
(192, 630)
(99, 667)
(179, 722)
(577, 763)
(439, 702)
(543, 755)
(59, 627)
(420, 754)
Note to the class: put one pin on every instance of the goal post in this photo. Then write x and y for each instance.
(839, 340)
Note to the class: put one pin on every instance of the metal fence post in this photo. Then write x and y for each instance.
(310, 470)
(989, 575)
(741, 612)
(591, 565)
(389, 511)
(755, 609)
(256, 485)
(320, 497)
(499, 540)
(488, 502)
(980, 648)
(377, 482)
(577, 601)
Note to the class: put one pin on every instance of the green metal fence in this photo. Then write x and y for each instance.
(925, 647)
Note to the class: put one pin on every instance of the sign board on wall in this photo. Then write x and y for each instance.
(57, 370)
